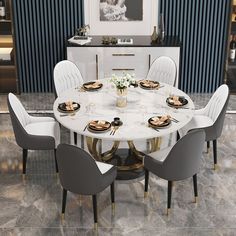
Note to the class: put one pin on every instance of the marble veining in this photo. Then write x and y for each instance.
(32, 207)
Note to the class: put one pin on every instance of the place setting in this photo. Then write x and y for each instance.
(161, 122)
(103, 126)
(150, 84)
(68, 108)
(177, 102)
(91, 86)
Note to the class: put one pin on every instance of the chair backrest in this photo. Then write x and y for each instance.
(216, 109)
(217, 102)
(163, 69)
(66, 76)
(19, 117)
(184, 159)
(78, 170)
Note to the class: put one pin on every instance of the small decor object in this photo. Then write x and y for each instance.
(122, 83)
(154, 35)
(83, 31)
(127, 41)
(162, 27)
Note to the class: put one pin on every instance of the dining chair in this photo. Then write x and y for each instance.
(79, 173)
(211, 118)
(66, 76)
(176, 163)
(163, 69)
(32, 133)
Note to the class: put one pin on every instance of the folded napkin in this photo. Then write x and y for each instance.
(99, 124)
(70, 106)
(149, 83)
(175, 100)
(92, 85)
(157, 121)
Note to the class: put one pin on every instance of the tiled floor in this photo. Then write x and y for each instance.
(33, 207)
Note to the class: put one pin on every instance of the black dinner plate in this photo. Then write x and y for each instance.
(182, 99)
(163, 125)
(156, 84)
(85, 86)
(99, 129)
(62, 107)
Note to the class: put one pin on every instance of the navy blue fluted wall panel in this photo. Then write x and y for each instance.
(41, 30)
(202, 28)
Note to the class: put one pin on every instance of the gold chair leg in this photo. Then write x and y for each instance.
(62, 217)
(196, 200)
(95, 226)
(145, 194)
(168, 211)
(215, 166)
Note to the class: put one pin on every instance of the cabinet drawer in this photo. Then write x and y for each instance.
(130, 60)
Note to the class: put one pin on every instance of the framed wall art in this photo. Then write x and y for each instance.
(121, 17)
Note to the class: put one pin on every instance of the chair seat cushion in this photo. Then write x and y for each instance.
(197, 122)
(160, 155)
(50, 128)
(103, 167)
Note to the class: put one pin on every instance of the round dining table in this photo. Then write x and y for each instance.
(142, 104)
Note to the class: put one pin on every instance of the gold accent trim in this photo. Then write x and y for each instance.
(95, 226)
(113, 206)
(168, 211)
(195, 199)
(92, 147)
(145, 194)
(80, 200)
(132, 147)
(97, 66)
(215, 166)
(109, 154)
(155, 144)
(62, 217)
(123, 54)
(121, 69)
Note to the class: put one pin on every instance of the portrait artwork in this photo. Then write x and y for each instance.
(121, 10)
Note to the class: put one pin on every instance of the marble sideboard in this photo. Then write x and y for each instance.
(97, 61)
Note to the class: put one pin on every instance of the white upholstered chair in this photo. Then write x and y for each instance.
(32, 133)
(66, 76)
(163, 69)
(211, 118)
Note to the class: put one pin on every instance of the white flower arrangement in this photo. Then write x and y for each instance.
(124, 81)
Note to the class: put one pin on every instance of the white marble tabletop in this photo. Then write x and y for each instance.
(141, 105)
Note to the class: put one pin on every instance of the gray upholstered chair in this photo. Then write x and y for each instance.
(66, 76)
(176, 163)
(211, 118)
(80, 173)
(32, 133)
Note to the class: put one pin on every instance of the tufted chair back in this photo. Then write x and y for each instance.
(66, 76)
(163, 69)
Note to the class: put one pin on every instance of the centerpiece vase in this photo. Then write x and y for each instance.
(121, 100)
